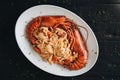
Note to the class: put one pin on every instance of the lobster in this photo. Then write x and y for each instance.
(76, 41)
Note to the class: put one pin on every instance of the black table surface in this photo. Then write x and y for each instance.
(103, 16)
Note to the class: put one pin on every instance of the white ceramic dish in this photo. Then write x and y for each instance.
(33, 57)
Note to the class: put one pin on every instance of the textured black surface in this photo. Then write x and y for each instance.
(103, 16)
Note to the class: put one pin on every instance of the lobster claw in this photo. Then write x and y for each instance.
(50, 21)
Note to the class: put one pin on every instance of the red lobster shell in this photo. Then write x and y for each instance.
(77, 44)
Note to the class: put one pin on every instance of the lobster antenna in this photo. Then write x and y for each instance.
(85, 30)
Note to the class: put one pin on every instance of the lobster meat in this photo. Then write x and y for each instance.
(77, 44)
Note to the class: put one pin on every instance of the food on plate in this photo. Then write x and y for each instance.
(57, 39)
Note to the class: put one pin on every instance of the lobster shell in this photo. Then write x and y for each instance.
(74, 36)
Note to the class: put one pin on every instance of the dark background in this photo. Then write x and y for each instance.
(103, 16)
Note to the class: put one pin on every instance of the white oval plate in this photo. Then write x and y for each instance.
(32, 56)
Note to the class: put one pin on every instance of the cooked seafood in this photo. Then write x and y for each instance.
(58, 40)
